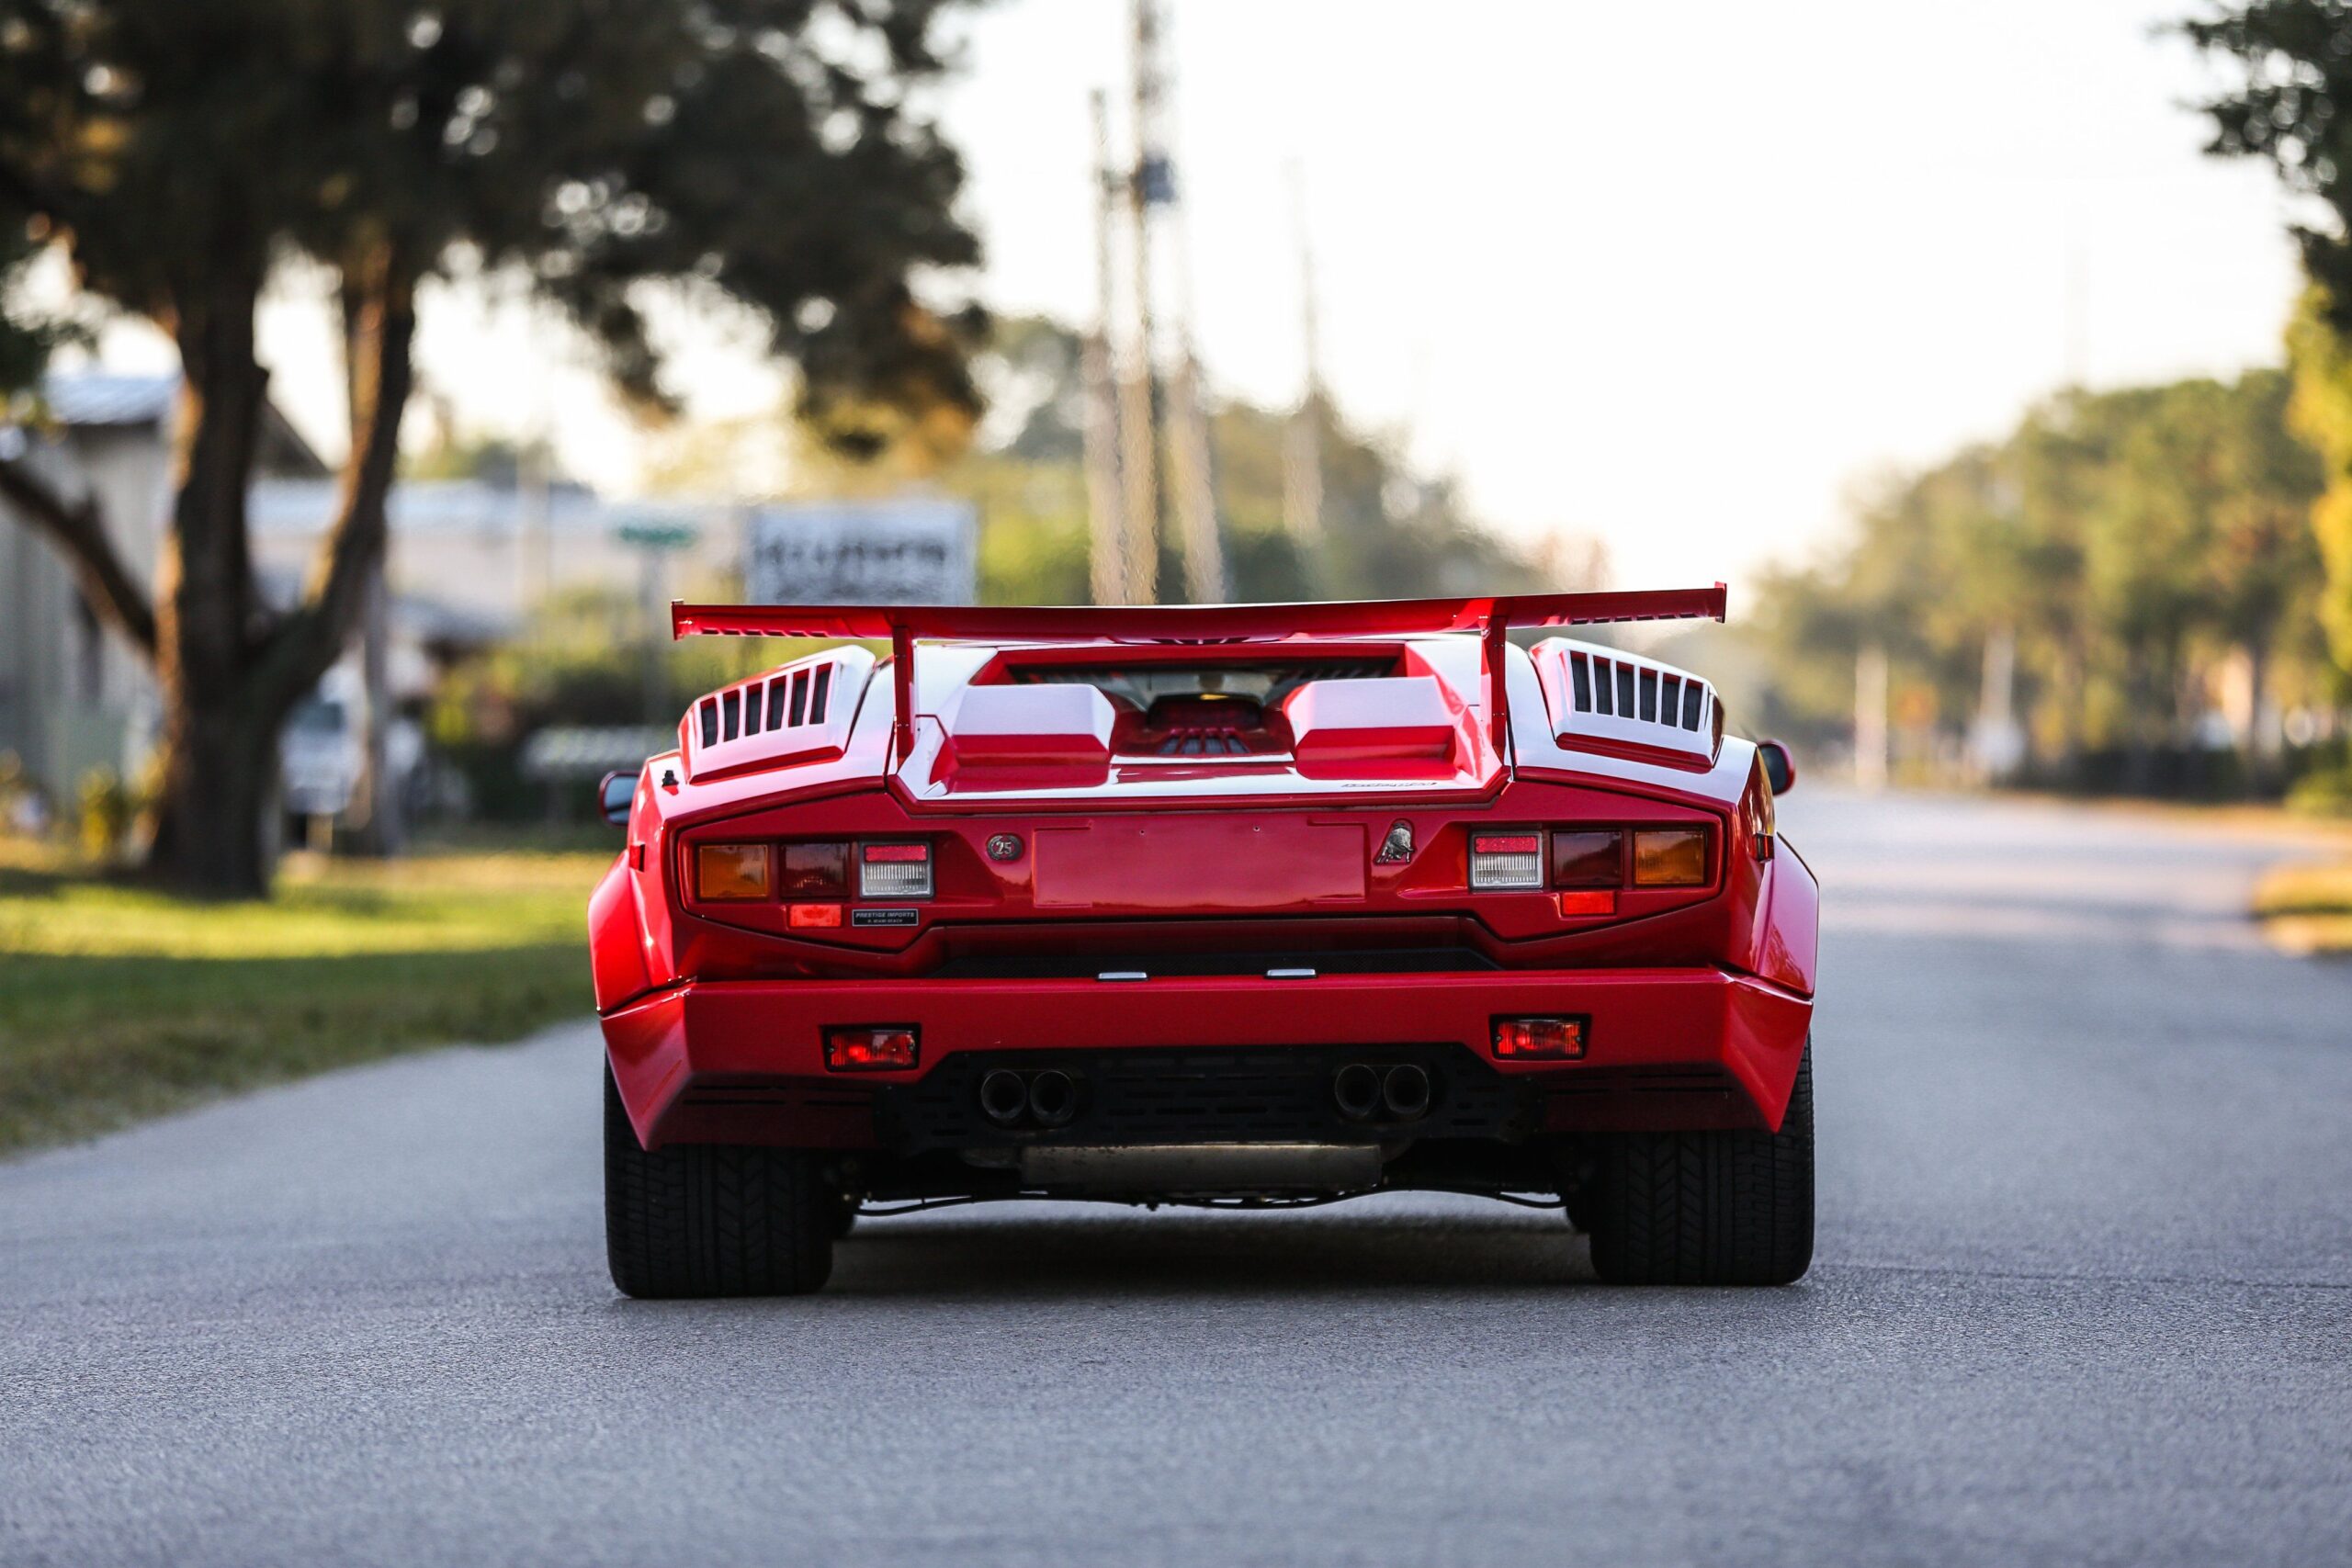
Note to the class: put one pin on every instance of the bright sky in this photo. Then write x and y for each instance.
(1679, 286)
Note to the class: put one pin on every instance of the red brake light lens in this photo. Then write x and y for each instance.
(813, 916)
(1539, 1039)
(1504, 861)
(815, 870)
(1588, 858)
(870, 1050)
(894, 871)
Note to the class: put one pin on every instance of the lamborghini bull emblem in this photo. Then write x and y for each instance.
(1397, 848)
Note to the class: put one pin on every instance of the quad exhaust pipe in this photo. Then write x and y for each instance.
(1365, 1092)
(1053, 1098)
(1004, 1099)
(1405, 1091)
(1046, 1100)
(1355, 1089)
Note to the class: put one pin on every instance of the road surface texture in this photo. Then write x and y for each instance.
(2084, 1295)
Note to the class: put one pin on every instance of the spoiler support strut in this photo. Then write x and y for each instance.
(1491, 617)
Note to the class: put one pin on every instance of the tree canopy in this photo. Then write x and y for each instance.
(2130, 542)
(2289, 103)
(767, 156)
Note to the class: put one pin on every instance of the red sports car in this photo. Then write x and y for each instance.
(1234, 905)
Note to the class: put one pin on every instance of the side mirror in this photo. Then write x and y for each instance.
(615, 796)
(1779, 768)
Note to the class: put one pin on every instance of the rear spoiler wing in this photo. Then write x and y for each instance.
(1491, 617)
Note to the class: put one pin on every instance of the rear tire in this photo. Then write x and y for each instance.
(712, 1220)
(1706, 1208)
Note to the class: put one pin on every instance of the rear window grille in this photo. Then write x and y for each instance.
(730, 714)
(1580, 671)
(752, 707)
(777, 691)
(1199, 741)
(816, 696)
(1625, 691)
(1691, 695)
(800, 696)
(710, 721)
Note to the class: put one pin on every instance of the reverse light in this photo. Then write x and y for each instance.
(815, 870)
(1670, 857)
(732, 871)
(870, 1050)
(1538, 1039)
(1504, 861)
(894, 871)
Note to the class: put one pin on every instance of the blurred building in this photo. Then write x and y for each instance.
(72, 696)
(468, 558)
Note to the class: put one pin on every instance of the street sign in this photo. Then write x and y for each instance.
(909, 551)
(655, 535)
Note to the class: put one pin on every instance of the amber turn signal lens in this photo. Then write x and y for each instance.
(732, 871)
(1670, 857)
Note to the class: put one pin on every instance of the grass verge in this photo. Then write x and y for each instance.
(2308, 908)
(118, 1002)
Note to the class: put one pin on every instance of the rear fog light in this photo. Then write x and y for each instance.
(869, 1050)
(1538, 1039)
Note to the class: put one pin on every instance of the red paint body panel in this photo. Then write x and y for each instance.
(1699, 998)
(1710, 1048)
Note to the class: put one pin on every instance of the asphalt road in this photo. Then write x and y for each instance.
(2083, 1294)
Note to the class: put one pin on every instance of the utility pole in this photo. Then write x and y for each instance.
(1189, 440)
(1302, 442)
(1869, 718)
(1139, 444)
(1107, 560)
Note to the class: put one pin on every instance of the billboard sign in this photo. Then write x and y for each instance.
(909, 551)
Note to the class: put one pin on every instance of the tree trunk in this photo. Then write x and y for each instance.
(220, 750)
(230, 670)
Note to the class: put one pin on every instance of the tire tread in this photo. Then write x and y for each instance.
(711, 1220)
(1712, 1208)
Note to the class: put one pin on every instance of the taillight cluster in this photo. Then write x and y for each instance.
(1587, 867)
(813, 876)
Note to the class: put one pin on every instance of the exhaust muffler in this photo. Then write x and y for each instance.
(1183, 1170)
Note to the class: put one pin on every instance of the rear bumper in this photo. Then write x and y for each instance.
(743, 1061)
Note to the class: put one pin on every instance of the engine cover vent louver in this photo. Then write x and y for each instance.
(793, 714)
(1606, 700)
